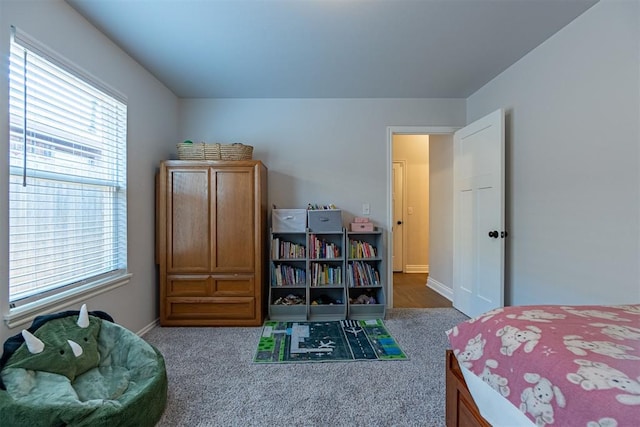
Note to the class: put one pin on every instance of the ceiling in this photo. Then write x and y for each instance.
(328, 48)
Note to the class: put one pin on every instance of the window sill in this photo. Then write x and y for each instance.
(25, 314)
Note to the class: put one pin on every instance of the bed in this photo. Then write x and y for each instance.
(542, 365)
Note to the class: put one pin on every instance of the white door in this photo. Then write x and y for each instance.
(398, 228)
(478, 203)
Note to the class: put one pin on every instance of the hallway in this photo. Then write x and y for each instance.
(410, 291)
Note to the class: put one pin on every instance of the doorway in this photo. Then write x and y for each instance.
(410, 199)
(418, 251)
(410, 203)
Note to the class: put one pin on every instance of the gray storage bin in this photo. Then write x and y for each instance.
(325, 220)
(366, 311)
(327, 312)
(288, 312)
(289, 220)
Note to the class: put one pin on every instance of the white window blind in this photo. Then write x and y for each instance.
(67, 188)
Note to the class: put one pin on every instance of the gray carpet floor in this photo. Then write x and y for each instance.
(214, 382)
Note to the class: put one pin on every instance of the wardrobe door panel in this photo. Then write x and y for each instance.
(188, 225)
(233, 239)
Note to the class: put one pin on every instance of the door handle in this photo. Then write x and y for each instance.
(494, 234)
(399, 222)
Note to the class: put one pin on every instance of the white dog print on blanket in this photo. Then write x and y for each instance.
(472, 351)
(618, 332)
(579, 346)
(537, 400)
(512, 338)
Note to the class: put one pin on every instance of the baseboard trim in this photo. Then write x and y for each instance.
(440, 288)
(416, 268)
(149, 327)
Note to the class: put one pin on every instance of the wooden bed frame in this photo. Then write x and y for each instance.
(461, 409)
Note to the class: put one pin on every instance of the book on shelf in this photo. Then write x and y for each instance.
(323, 274)
(358, 249)
(282, 249)
(361, 274)
(275, 248)
(286, 275)
(323, 249)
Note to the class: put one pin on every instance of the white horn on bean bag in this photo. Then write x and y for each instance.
(83, 317)
(75, 347)
(33, 343)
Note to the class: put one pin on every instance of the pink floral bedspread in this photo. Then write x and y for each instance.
(561, 365)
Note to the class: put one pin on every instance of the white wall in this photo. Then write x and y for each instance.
(318, 150)
(573, 161)
(152, 125)
(441, 214)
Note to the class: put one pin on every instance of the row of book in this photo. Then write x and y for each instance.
(358, 249)
(323, 274)
(282, 249)
(362, 274)
(286, 275)
(320, 248)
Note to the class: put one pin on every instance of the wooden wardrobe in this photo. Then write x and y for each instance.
(211, 242)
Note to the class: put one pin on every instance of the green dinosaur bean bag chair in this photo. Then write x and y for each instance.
(80, 369)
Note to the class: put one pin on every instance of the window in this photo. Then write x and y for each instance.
(67, 185)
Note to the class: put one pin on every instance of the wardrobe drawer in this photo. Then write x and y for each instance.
(185, 285)
(199, 310)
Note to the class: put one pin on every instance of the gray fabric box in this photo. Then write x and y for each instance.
(289, 220)
(325, 220)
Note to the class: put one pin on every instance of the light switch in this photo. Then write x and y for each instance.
(366, 210)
